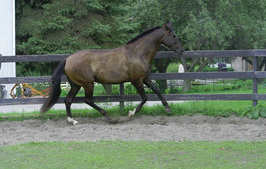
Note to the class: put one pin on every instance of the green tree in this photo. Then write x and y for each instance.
(207, 25)
(65, 26)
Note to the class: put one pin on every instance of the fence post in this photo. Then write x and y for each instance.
(0, 62)
(255, 80)
(2, 93)
(121, 93)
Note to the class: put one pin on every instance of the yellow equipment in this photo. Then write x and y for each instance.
(28, 91)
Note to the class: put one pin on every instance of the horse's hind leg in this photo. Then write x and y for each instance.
(147, 81)
(89, 100)
(69, 99)
(140, 88)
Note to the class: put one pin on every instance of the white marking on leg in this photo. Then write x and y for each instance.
(131, 113)
(72, 121)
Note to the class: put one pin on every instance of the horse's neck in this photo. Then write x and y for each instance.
(148, 46)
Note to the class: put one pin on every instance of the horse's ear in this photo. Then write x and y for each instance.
(168, 26)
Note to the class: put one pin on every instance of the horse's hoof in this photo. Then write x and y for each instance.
(72, 121)
(131, 113)
(168, 110)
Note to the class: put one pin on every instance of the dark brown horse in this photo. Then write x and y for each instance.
(128, 63)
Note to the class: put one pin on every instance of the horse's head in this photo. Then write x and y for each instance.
(171, 40)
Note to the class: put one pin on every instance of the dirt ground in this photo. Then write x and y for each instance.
(153, 128)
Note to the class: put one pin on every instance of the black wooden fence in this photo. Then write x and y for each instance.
(254, 75)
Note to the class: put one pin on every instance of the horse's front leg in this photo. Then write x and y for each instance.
(147, 81)
(140, 88)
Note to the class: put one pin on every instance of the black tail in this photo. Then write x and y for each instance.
(55, 90)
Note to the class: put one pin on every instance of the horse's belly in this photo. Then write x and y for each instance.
(111, 76)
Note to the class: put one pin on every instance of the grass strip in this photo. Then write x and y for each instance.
(209, 108)
(134, 154)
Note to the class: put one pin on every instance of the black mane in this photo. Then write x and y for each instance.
(143, 34)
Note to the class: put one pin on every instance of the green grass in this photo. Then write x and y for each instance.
(134, 154)
(209, 108)
(237, 86)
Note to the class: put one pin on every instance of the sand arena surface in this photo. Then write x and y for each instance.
(153, 128)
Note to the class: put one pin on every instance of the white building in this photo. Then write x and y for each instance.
(7, 40)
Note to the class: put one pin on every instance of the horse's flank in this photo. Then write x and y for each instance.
(96, 65)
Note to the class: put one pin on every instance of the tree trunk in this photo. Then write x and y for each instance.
(161, 66)
(187, 85)
(187, 82)
(108, 89)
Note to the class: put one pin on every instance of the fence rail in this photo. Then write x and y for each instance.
(154, 76)
(255, 75)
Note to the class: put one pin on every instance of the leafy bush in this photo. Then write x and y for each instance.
(173, 67)
(255, 112)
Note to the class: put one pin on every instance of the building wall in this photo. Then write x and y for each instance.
(240, 65)
(7, 40)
